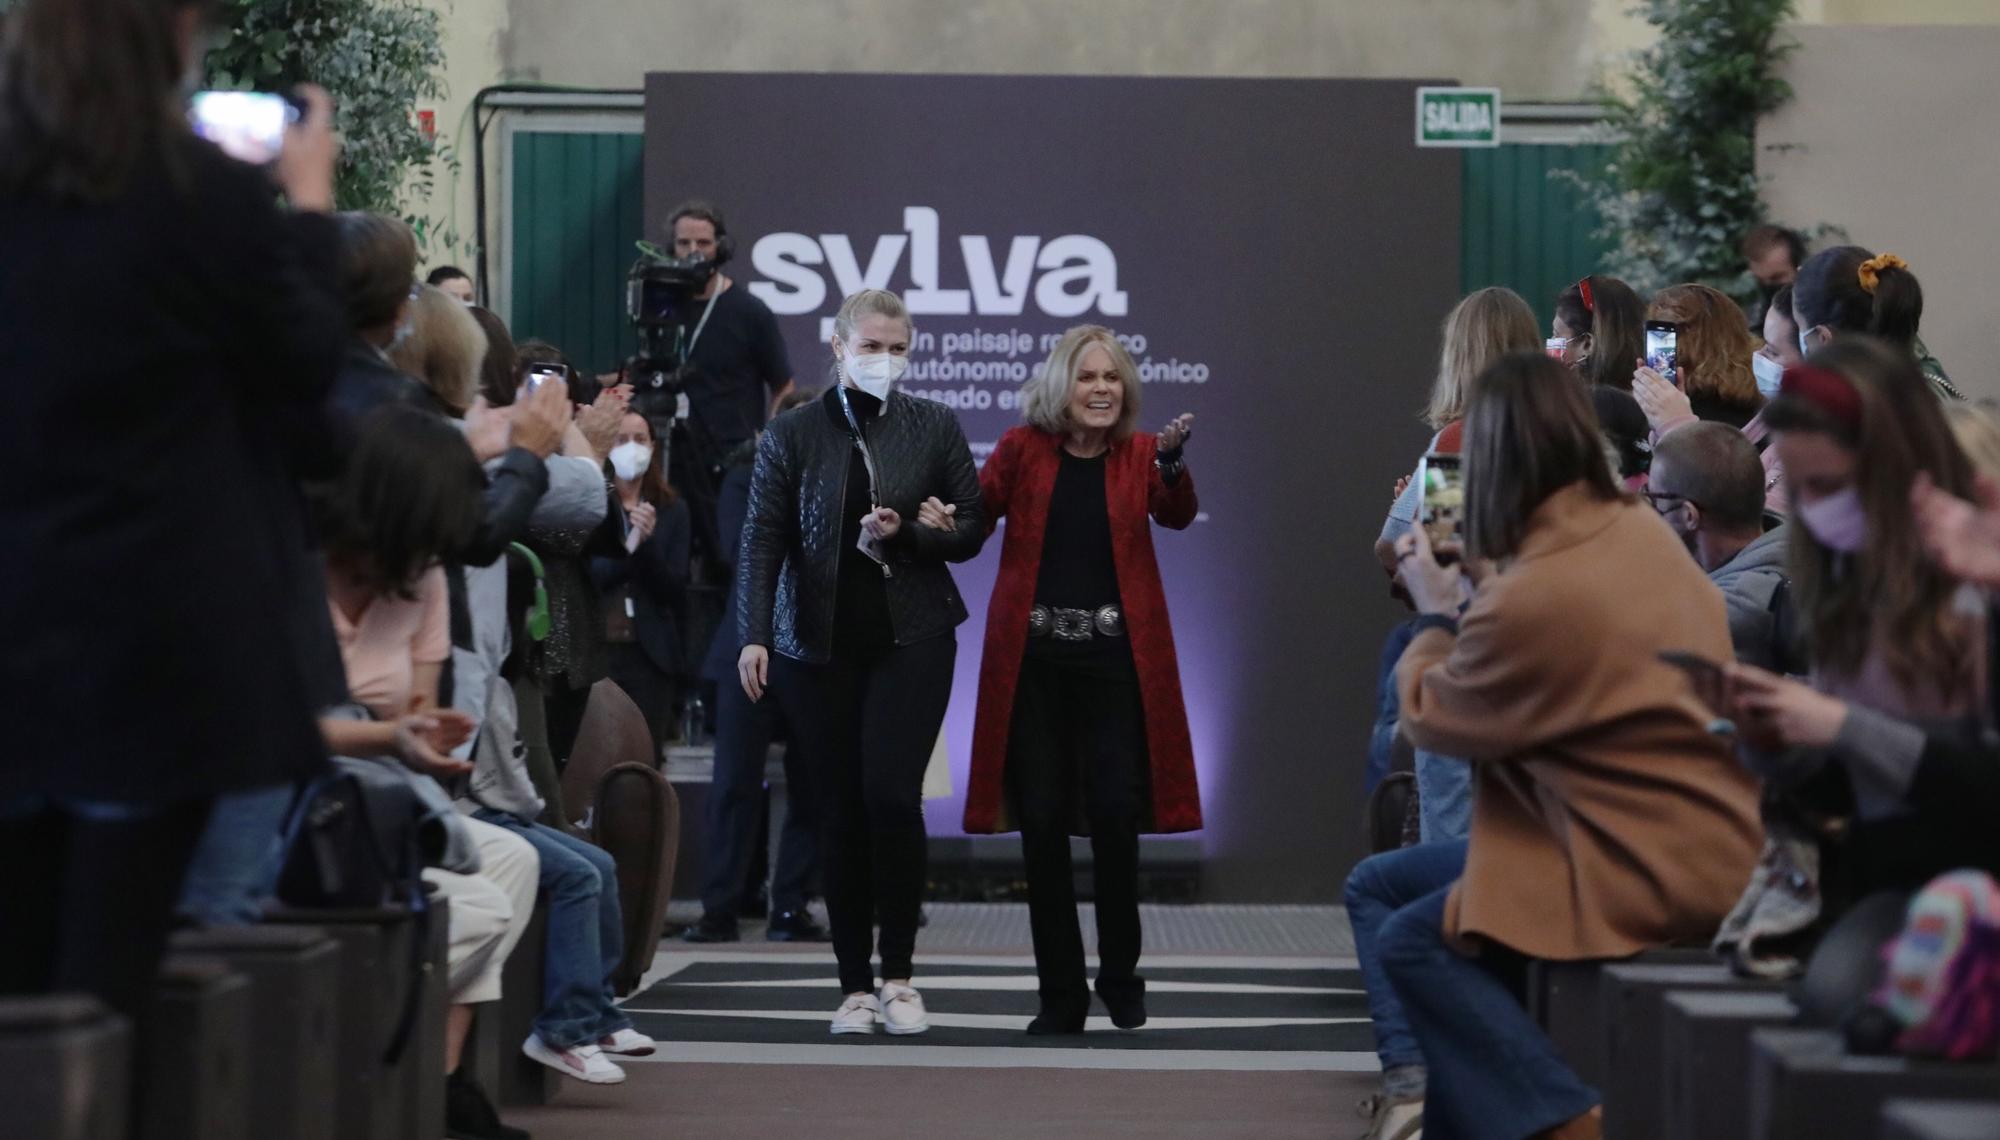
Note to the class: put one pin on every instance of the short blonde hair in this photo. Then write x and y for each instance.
(1045, 399)
(445, 348)
(1488, 324)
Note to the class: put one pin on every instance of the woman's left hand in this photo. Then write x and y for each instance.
(1797, 715)
(1178, 431)
(1662, 402)
(1435, 589)
(882, 523)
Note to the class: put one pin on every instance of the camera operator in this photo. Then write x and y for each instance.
(736, 364)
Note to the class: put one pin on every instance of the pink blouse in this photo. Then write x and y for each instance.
(393, 637)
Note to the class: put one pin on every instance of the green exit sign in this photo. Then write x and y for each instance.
(1458, 116)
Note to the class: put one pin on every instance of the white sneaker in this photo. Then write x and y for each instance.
(628, 1043)
(585, 1063)
(857, 1014)
(903, 1010)
(1392, 1119)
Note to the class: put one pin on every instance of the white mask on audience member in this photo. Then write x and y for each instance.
(1770, 374)
(630, 460)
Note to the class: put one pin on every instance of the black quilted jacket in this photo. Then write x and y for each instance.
(789, 563)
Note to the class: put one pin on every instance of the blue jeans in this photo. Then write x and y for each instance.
(586, 935)
(1378, 887)
(1493, 1073)
(236, 863)
(1388, 707)
(1444, 797)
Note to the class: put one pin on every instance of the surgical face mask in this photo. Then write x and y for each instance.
(1770, 375)
(630, 460)
(877, 372)
(1838, 521)
(1805, 342)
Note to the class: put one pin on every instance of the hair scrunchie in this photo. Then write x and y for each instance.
(1870, 273)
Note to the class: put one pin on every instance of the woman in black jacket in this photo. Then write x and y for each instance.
(165, 641)
(860, 610)
(645, 592)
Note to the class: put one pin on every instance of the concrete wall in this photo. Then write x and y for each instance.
(1534, 49)
(1891, 137)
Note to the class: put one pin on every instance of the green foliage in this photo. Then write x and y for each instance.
(378, 59)
(1680, 189)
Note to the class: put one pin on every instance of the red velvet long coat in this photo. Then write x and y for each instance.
(1017, 482)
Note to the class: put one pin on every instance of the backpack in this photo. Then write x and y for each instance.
(1941, 986)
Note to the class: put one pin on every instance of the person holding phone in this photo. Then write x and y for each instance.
(1079, 688)
(1713, 378)
(1608, 818)
(167, 640)
(847, 615)
(1599, 331)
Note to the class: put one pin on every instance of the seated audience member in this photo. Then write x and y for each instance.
(1709, 486)
(744, 730)
(1898, 650)
(1484, 327)
(408, 495)
(1847, 290)
(574, 656)
(1713, 377)
(1779, 351)
(1608, 819)
(442, 347)
(1599, 330)
(645, 593)
(455, 282)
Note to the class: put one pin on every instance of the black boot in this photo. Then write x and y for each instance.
(469, 1115)
(713, 928)
(1126, 999)
(1061, 1015)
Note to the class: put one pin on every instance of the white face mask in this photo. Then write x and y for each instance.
(1805, 342)
(1770, 375)
(877, 372)
(630, 460)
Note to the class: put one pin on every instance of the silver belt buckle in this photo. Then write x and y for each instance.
(1074, 625)
(1110, 621)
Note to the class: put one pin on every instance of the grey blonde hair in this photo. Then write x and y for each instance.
(1977, 428)
(445, 348)
(1045, 399)
(1488, 324)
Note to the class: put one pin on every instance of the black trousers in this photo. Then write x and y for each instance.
(867, 728)
(1078, 740)
(743, 732)
(652, 690)
(88, 900)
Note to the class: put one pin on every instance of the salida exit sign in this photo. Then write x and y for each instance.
(1458, 116)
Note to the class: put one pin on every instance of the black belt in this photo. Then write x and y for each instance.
(1076, 625)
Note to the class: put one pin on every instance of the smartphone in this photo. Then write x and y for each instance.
(1661, 340)
(540, 372)
(1442, 512)
(249, 126)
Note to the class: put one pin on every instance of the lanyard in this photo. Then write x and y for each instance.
(687, 349)
(861, 440)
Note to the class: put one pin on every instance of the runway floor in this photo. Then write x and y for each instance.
(1258, 1030)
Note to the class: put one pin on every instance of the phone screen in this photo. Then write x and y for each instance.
(541, 372)
(1661, 345)
(249, 126)
(1443, 511)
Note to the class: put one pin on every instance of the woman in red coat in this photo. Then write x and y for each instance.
(1080, 726)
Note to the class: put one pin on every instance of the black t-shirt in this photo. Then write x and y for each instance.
(735, 367)
(861, 628)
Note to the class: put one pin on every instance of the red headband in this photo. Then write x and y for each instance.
(1826, 390)
(1589, 303)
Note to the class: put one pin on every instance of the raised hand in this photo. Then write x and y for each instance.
(1963, 538)
(542, 418)
(1178, 431)
(1662, 402)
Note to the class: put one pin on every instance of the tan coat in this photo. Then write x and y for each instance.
(1608, 819)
